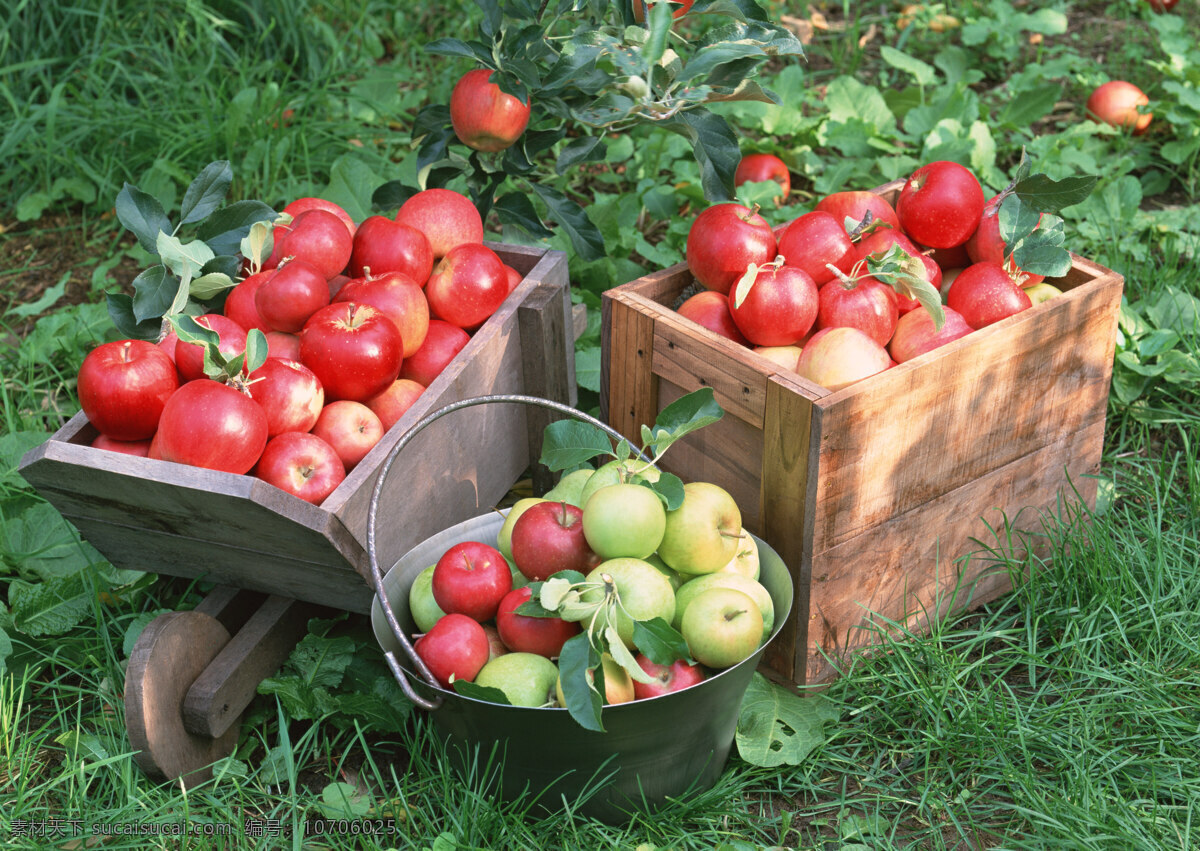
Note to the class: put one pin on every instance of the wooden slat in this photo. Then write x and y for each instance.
(627, 350)
(906, 566)
(899, 439)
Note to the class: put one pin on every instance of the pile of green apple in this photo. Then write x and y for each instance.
(600, 592)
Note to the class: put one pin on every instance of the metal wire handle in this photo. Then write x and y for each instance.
(373, 510)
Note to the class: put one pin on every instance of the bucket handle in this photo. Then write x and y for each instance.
(373, 510)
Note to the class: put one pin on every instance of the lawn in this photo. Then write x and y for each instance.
(1062, 715)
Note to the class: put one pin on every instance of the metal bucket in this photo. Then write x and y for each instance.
(651, 751)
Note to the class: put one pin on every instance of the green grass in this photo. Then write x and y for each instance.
(1062, 715)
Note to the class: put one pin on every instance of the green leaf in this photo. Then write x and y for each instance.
(905, 274)
(142, 215)
(1043, 252)
(584, 701)
(569, 443)
(922, 72)
(42, 545)
(686, 414)
(45, 302)
(391, 195)
(777, 727)
(587, 368)
(716, 150)
(50, 607)
(621, 655)
(552, 591)
(1046, 195)
(1157, 342)
(155, 291)
(584, 236)
(206, 192)
(120, 311)
(474, 50)
(1016, 219)
(341, 800)
(585, 149)
(225, 229)
(742, 10)
(1032, 105)
(209, 286)
(661, 642)
(488, 693)
(1176, 309)
(6, 649)
(256, 350)
(184, 259)
(669, 488)
(13, 446)
(515, 208)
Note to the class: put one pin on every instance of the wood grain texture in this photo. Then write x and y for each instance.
(901, 438)
(627, 350)
(908, 567)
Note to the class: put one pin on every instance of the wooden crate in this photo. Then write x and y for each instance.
(237, 530)
(874, 495)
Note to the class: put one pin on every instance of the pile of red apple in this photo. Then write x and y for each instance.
(693, 567)
(358, 319)
(807, 301)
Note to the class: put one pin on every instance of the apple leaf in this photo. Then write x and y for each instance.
(660, 641)
(1017, 220)
(777, 727)
(745, 283)
(552, 592)
(143, 215)
(568, 443)
(899, 270)
(207, 191)
(669, 488)
(492, 695)
(622, 656)
(583, 700)
(683, 416)
(1045, 195)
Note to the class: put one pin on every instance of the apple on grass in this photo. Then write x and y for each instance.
(526, 679)
(624, 520)
(644, 593)
(676, 676)
(302, 464)
(455, 648)
(722, 626)
(759, 168)
(549, 537)
(704, 532)
(471, 578)
(351, 428)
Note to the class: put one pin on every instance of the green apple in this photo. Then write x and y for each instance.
(704, 532)
(1042, 292)
(624, 520)
(526, 679)
(722, 626)
(504, 538)
(618, 685)
(693, 588)
(617, 472)
(746, 561)
(424, 609)
(570, 488)
(644, 592)
(673, 576)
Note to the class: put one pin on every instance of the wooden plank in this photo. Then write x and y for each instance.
(219, 694)
(909, 566)
(627, 351)
(231, 606)
(901, 438)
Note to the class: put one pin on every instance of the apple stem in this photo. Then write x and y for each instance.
(845, 280)
(751, 213)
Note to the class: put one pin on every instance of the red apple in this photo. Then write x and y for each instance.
(168, 343)
(399, 298)
(189, 357)
(316, 236)
(762, 167)
(526, 634)
(667, 678)
(212, 425)
(138, 448)
(392, 403)
(335, 285)
(639, 9)
(710, 309)
(985, 293)
(301, 205)
(1116, 103)
(548, 537)
(467, 285)
(915, 333)
(240, 306)
(384, 245)
(442, 344)
(289, 393)
(355, 350)
(814, 241)
(455, 648)
(283, 345)
(471, 578)
(723, 241)
(302, 464)
(863, 303)
(351, 428)
(514, 277)
(838, 357)
(447, 218)
(940, 204)
(987, 246)
(778, 309)
(484, 117)
(293, 292)
(1162, 5)
(124, 386)
(855, 204)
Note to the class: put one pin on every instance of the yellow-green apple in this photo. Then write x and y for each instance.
(746, 560)
(693, 588)
(527, 634)
(624, 520)
(471, 578)
(548, 537)
(1042, 292)
(351, 428)
(704, 532)
(570, 487)
(504, 538)
(455, 648)
(424, 609)
(722, 626)
(673, 576)
(677, 676)
(615, 472)
(526, 679)
(302, 464)
(644, 594)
